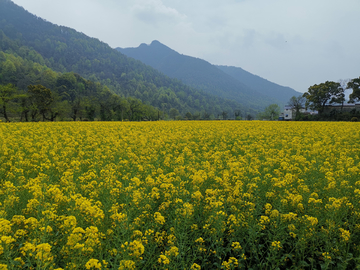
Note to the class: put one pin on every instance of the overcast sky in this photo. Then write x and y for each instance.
(295, 43)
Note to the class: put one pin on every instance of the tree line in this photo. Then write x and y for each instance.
(317, 99)
(320, 96)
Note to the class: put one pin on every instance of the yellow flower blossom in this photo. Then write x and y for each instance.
(276, 245)
(159, 218)
(143, 193)
(195, 266)
(345, 234)
(127, 265)
(163, 260)
(93, 264)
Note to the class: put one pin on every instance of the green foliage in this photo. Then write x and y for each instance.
(39, 93)
(173, 113)
(333, 115)
(271, 112)
(40, 99)
(7, 94)
(319, 95)
(354, 84)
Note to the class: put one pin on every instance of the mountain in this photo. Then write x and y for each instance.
(261, 85)
(65, 50)
(246, 88)
(197, 73)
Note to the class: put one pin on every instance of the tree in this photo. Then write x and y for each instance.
(196, 116)
(271, 112)
(48, 78)
(188, 116)
(9, 71)
(237, 114)
(319, 95)
(296, 104)
(206, 115)
(105, 102)
(354, 84)
(41, 99)
(224, 115)
(173, 113)
(7, 93)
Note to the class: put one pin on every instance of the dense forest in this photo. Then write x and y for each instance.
(30, 91)
(61, 51)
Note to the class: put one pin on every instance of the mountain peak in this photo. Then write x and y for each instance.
(149, 54)
(156, 42)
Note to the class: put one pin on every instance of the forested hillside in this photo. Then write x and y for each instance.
(30, 91)
(64, 50)
(253, 91)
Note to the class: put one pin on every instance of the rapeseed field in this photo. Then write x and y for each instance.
(180, 195)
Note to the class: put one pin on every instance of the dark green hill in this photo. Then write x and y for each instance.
(65, 50)
(210, 78)
(261, 85)
(30, 91)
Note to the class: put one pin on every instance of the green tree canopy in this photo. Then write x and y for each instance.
(354, 84)
(173, 113)
(7, 93)
(319, 95)
(271, 112)
(41, 100)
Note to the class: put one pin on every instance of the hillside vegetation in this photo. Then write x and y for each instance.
(32, 92)
(65, 50)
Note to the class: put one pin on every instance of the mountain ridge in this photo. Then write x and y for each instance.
(224, 84)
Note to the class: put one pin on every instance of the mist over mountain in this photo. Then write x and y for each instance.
(227, 82)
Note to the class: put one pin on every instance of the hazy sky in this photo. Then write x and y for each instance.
(295, 43)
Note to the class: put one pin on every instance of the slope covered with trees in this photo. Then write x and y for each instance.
(30, 91)
(64, 50)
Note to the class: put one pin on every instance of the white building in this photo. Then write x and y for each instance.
(289, 113)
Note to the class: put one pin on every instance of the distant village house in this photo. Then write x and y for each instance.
(290, 114)
(346, 107)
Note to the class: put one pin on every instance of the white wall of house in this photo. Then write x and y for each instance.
(290, 114)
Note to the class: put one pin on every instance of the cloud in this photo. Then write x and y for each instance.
(156, 13)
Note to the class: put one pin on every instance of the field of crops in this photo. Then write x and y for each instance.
(180, 195)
